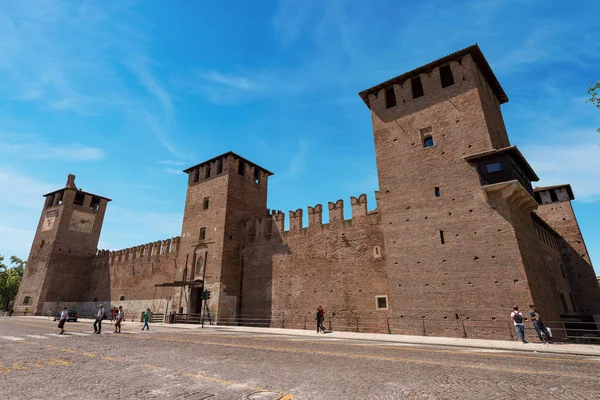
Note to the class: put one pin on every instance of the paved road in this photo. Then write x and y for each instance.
(169, 363)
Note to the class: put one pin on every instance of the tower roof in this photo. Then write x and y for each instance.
(565, 185)
(473, 50)
(71, 185)
(513, 150)
(229, 153)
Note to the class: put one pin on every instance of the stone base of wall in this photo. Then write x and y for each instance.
(133, 309)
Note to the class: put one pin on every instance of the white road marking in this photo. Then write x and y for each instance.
(37, 336)
(12, 338)
(77, 333)
(54, 334)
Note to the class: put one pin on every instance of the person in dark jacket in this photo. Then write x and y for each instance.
(538, 324)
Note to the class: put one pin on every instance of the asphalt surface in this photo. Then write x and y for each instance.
(172, 363)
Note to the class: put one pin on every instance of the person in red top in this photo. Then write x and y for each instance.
(320, 319)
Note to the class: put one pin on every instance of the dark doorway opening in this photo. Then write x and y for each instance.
(196, 300)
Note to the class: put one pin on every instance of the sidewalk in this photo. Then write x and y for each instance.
(559, 348)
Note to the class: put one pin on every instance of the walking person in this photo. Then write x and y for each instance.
(322, 312)
(146, 319)
(538, 324)
(64, 316)
(120, 316)
(319, 318)
(99, 317)
(517, 319)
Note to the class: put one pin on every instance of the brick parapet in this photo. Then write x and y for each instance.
(148, 250)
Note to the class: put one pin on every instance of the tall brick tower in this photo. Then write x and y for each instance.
(222, 193)
(557, 210)
(64, 245)
(455, 197)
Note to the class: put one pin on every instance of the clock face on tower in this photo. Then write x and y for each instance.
(82, 222)
(48, 223)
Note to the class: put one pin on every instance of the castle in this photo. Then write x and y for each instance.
(458, 233)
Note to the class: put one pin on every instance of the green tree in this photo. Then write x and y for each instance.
(594, 93)
(10, 278)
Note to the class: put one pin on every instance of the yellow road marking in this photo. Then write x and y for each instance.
(231, 383)
(383, 358)
(110, 359)
(68, 350)
(151, 366)
(51, 347)
(89, 354)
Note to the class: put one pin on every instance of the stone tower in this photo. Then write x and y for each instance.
(222, 193)
(455, 197)
(64, 245)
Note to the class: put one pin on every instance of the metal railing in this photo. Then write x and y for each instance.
(572, 332)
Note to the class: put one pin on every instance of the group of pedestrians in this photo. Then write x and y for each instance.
(517, 317)
(117, 316)
(320, 317)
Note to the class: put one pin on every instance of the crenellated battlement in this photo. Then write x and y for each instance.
(273, 222)
(154, 249)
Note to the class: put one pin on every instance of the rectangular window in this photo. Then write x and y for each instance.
(219, 167)
(202, 233)
(437, 191)
(256, 175)
(207, 171)
(417, 87)
(428, 141)
(381, 302)
(553, 195)
(494, 167)
(446, 76)
(79, 197)
(442, 237)
(390, 97)
(196, 175)
(95, 204)
(241, 167)
(26, 300)
(205, 203)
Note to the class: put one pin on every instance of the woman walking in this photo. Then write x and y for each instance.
(64, 316)
(119, 317)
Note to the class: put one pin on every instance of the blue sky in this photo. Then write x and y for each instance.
(125, 95)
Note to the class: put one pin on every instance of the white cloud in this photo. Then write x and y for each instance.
(168, 162)
(173, 171)
(289, 20)
(44, 151)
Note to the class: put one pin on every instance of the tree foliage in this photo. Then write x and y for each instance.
(10, 278)
(594, 93)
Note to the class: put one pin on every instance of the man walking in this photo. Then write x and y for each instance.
(99, 317)
(146, 319)
(319, 318)
(120, 316)
(322, 312)
(538, 324)
(517, 319)
(64, 316)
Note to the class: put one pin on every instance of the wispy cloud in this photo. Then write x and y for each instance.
(290, 19)
(168, 162)
(172, 171)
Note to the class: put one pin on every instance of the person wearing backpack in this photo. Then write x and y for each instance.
(517, 319)
(99, 317)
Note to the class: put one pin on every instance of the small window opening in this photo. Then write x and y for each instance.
(122, 298)
(219, 167)
(446, 76)
(95, 204)
(256, 175)
(428, 141)
(442, 237)
(79, 197)
(456, 316)
(42, 243)
(493, 167)
(553, 195)
(390, 97)
(417, 87)
(207, 171)
(381, 302)
(241, 168)
(437, 191)
(26, 299)
(205, 203)
(202, 233)
(196, 175)
(376, 252)
(95, 299)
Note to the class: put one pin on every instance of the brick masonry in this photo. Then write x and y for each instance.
(448, 239)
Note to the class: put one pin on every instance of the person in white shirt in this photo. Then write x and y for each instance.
(64, 316)
(517, 319)
(99, 317)
(120, 316)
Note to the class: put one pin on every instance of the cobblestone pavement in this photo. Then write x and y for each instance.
(169, 363)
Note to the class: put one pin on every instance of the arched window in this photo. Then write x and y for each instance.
(95, 299)
(428, 141)
(122, 298)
